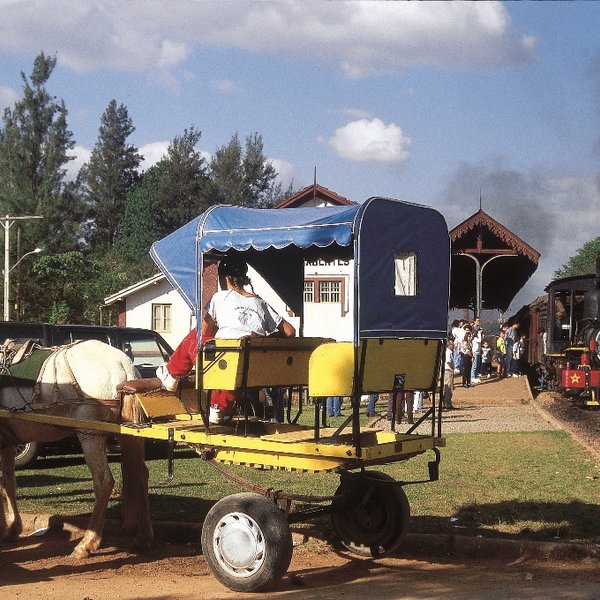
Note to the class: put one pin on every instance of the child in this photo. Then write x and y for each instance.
(501, 354)
(486, 360)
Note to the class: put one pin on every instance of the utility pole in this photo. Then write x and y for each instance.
(7, 223)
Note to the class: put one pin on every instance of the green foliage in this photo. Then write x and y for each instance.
(34, 146)
(244, 178)
(582, 262)
(59, 291)
(184, 189)
(110, 175)
(172, 192)
(140, 226)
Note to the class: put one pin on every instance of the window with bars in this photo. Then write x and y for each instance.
(329, 291)
(309, 291)
(161, 318)
(326, 291)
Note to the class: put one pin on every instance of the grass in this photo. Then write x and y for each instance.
(539, 485)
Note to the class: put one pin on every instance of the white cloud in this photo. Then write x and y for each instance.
(152, 153)
(171, 54)
(357, 113)
(81, 156)
(285, 171)
(359, 37)
(371, 140)
(8, 97)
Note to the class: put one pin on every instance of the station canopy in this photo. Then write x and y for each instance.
(505, 263)
(378, 234)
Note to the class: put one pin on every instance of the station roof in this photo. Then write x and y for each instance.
(507, 263)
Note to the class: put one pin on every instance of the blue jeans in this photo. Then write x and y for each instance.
(334, 406)
(476, 366)
(371, 404)
(511, 364)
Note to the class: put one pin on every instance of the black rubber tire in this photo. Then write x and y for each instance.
(376, 521)
(246, 542)
(26, 455)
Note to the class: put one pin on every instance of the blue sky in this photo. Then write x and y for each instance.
(428, 102)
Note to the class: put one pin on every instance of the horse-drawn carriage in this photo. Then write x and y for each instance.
(399, 254)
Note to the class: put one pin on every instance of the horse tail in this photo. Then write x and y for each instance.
(131, 409)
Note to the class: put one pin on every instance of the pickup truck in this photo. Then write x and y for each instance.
(146, 349)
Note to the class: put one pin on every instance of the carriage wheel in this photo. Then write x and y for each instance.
(375, 520)
(246, 542)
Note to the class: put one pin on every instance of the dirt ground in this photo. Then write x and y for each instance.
(38, 567)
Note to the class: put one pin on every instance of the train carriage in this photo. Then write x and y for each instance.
(564, 335)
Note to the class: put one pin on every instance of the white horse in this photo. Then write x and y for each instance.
(80, 381)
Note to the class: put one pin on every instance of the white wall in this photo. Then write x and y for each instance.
(139, 310)
(331, 320)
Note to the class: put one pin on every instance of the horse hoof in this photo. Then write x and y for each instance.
(79, 553)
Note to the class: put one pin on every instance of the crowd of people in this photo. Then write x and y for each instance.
(475, 357)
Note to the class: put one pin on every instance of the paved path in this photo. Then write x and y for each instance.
(496, 405)
(493, 405)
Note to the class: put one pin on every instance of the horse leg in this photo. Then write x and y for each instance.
(10, 519)
(94, 452)
(135, 504)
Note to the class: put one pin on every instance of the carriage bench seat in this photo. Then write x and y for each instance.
(415, 361)
(256, 362)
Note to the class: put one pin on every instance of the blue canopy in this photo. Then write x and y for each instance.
(277, 242)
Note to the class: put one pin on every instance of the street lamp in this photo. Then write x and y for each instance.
(6, 223)
(7, 281)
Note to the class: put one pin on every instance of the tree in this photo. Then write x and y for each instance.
(172, 192)
(184, 189)
(582, 262)
(64, 297)
(34, 151)
(244, 178)
(141, 225)
(110, 175)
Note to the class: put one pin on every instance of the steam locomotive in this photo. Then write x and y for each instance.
(564, 335)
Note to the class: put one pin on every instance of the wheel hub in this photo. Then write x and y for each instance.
(239, 544)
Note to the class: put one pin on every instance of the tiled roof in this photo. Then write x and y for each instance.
(316, 191)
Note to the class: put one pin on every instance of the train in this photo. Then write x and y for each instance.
(563, 336)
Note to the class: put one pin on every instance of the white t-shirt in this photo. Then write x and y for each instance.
(449, 362)
(237, 316)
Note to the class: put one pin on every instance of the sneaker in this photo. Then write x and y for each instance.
(215, 415)
(475, 380)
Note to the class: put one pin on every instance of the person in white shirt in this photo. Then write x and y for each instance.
(476, 341)
(234, 312)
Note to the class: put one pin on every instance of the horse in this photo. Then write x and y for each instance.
(80, 381)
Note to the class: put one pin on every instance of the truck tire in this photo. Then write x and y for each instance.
(26, 455)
